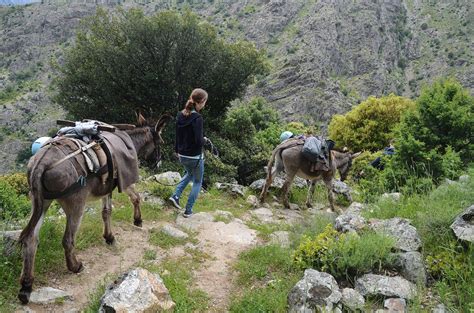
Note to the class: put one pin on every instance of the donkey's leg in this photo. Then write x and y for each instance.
(74, 209)
(286, 188)
(135, 199)
(309, 198)
(30, 240)
(328, 182)
(106, 212)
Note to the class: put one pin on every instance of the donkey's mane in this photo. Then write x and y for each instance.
(140, 136)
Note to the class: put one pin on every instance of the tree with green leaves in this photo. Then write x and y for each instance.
(438, 136)
(125, 61)
(371, 124)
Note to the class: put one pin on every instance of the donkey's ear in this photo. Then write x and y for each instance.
(355, 155)
(164, 119)
(141, 121)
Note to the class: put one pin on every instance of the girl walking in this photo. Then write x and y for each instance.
(188, 145)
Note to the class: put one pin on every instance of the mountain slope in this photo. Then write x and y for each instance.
(326, 56)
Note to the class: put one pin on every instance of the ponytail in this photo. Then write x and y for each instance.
(188, 108)
(197, 96)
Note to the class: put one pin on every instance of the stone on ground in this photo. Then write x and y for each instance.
(10, 241)
(463, 178)
(395, 305)
(195, 221)
(281, 238)
(46, 295)
(317, 290)
(405, 235)
(168, 178)
(253, 200)
(378, 285)
(352, 299)
(233, 189)
(147, 197)
(263, 215)
(137, 291)
(350, 222)
(411, 266)
(394, 196)
(174, 232)
(463, 225)
(341, 188)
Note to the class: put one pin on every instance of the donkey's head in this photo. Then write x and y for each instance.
(148, 147)
(344, 163)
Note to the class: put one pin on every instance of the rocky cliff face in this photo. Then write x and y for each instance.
(325, 56)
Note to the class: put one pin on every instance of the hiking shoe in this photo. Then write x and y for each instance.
(186, 215)
(175, 201)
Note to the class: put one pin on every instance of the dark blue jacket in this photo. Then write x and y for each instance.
(189, 134)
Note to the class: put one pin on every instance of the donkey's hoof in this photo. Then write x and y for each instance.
(77, 269)
(24, 294)
(109, 240)
(138, 223)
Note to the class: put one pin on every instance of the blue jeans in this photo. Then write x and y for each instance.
(194, 172)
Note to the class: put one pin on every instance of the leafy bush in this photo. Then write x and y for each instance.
(18, 181)
(434, 139)
(344, 255)
(370, 125)
(12, 205)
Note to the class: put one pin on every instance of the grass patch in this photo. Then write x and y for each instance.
(95, 296)
(449, 262)
(163, 240)
(267, 275)
(178, 279)
(216, 200)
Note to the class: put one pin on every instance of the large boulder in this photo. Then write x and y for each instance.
(463, 225)
(317, 291)
(349, 222)
(411, 266)
(378, 285)
(405, 235)
(137, 291)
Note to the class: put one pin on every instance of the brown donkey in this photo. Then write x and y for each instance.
(289, 158)
(46, 174)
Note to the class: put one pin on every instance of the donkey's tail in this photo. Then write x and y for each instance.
(36, 193)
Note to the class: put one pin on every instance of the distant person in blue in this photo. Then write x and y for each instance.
(189, 147)
(389, 151)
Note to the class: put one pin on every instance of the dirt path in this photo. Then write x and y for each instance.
(99, 261)
(223, 242)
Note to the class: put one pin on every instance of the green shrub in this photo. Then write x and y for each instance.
(434, 139)
(12, 205)
(344, 255)
(162, 191)
(370, 125)
(18, 181)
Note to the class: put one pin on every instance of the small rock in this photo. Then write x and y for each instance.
(264, 215)
(371, 284)
(349, 222)
(440, 308)
(147, 197)
(395, 305)
(257, 185)
(463, 225)
(46, 295)
(317, 290)
(137, 291)
(10, 241)
(253, 200)
(234, 189)
(394, 196)
(342, 188)
(300, 182)
(464, 178)
(281, 238)
(449, 181)
(168, 178)
(352, 299)
(174, 232)
(294, 207)
(355, 208)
